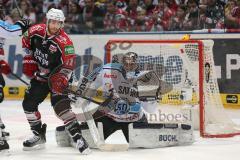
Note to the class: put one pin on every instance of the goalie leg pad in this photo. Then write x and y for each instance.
(186, 136)
(62, 137)
(64, 140)
(145, 135)
(88, 136)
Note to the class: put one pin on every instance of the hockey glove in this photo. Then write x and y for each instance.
(59, 82)
(24, 24)
(4, 67)
(29, 66)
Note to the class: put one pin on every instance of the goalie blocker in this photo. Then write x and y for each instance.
(140, 135)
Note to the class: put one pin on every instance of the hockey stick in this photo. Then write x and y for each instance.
(68, 90)
(81, 90)
(100, 143)
(95, 133)
(90, 121)
(19, 78)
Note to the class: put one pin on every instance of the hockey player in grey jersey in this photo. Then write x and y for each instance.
(125, 110)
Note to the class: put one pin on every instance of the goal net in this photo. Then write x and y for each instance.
(187, 66)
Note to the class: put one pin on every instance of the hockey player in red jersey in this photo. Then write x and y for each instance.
(47, 47)
(7, 30)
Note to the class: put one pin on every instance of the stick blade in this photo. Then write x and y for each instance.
(114, 147)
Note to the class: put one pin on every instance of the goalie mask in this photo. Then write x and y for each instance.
(55, 20)
(130, 61)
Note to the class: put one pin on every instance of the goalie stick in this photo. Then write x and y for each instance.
(79, 91)
(90, 121)
(95, 133)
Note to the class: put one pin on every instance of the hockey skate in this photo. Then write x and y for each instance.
(4, 147)
(37, 141)
(5, 134)
(82, 146)
(78, 141)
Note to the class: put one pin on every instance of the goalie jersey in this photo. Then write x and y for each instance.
(124, 106)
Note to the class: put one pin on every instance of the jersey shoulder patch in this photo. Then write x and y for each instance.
(69, 49)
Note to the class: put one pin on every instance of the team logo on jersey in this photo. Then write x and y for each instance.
(110, 76)
(121, 107)
(42, 58)
(61, 39)
(69, 50)
(52, 48)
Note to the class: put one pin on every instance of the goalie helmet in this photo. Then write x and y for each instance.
(55, 14)
(130, 61)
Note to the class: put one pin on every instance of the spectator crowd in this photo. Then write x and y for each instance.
(110, 16)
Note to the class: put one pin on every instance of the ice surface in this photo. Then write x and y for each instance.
(14, 118)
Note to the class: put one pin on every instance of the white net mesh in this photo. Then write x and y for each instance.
(177, 64)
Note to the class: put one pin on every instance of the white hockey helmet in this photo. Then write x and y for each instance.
(55, 14)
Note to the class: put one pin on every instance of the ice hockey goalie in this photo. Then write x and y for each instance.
(135, 93)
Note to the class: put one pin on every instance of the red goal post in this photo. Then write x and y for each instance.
(190, 60)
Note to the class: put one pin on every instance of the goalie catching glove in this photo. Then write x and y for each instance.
(150, 86)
